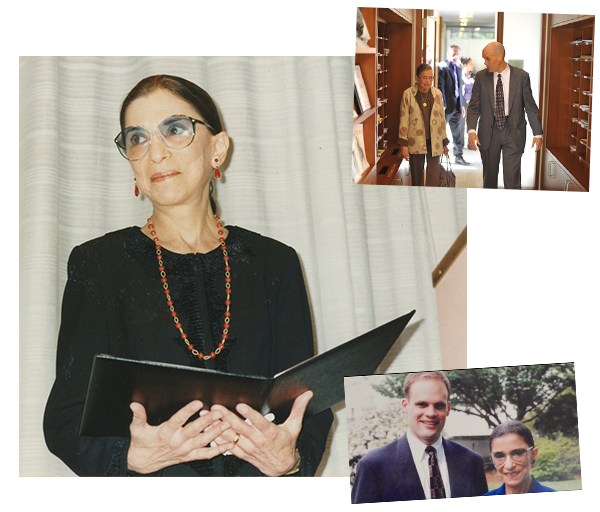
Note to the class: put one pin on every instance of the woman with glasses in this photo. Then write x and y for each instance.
(513, 455)
(423, 128)
(183, 289)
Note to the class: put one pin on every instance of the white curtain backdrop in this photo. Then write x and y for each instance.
(367, 251)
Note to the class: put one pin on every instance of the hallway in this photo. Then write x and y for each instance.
(468, 176)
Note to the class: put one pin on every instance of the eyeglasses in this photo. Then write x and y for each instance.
(518, 455)
(426, 78)
(176, 132)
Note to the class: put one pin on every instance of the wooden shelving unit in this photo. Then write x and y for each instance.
(582, 48)
(569, 116)
(382, 88)
(386, 68)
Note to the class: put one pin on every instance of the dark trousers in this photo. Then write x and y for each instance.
(502, 144)
(417, 164)
(454, 120)
(463, 126)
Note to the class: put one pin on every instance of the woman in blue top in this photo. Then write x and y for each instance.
(513, 455)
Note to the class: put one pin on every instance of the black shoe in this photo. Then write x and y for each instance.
(442, 168)
(460, 160)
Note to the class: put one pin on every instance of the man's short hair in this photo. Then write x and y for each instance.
(454, 46)
(411, 378)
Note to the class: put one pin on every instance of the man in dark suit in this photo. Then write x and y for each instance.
(421, 464)
(451, 84)
(501, 114)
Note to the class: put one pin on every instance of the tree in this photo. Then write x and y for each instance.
(523, 393)
(559, 418)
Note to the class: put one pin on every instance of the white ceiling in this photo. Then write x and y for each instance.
(476, 19)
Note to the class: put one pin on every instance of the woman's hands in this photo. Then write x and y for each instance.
(268, 447)
(404, 152)
(155, 448)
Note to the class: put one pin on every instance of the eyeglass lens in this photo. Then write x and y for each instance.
(177, 132)
(518, 455)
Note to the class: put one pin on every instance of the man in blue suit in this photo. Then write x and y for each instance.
(451, 85)
(421, 464)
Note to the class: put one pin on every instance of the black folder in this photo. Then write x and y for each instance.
(163, 389)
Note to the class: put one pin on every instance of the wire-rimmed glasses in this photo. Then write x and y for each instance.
(517, 455)
(176, 132)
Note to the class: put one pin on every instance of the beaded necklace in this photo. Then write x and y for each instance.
(163, 276)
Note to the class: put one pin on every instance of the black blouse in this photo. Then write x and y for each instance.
(114, 304)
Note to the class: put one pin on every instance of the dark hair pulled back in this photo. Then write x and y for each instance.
(184, 89)
(423, 67)
(512, 427)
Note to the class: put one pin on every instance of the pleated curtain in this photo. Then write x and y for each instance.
(367, 251)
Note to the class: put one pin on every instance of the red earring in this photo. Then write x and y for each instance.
(136, 190)
(217, 172)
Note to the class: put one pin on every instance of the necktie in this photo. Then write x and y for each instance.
(500, 116)
(435, 478)
(454, 72)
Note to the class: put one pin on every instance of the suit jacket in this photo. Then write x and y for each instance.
(389, 474)
(520, 100)
(446, 84)
(538, 493)
(412, 124)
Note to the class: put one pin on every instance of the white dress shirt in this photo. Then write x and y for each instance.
(421, 458)
(505, 85)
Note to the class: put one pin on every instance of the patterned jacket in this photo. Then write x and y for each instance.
(412, 127)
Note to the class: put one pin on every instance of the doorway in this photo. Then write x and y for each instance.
(471, 32)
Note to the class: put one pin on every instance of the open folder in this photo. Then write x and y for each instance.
(163, 389)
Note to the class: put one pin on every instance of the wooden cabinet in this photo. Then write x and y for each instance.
(569, 111)
(386, 67)
(562, 13)
(556, 177)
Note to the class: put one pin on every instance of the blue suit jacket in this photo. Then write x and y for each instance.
(537, 494)
(389, 474)
(446, 84)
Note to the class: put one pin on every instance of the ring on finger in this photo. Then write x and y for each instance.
(237, 438)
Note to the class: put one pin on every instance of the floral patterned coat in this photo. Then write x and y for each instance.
(412, 127)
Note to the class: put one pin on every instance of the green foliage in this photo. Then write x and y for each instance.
(392, 387)
(558, 459)
(560, 417)
(522, 393)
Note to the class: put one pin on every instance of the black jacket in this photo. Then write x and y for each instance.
(114, 304)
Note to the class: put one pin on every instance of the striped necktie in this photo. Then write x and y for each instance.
(435, 477)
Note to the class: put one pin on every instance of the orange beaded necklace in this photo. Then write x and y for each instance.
(163, 276)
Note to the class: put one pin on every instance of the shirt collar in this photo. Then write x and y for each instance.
(417, 447)
(504, 73)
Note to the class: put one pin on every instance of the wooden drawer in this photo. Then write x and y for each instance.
(556, 177)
